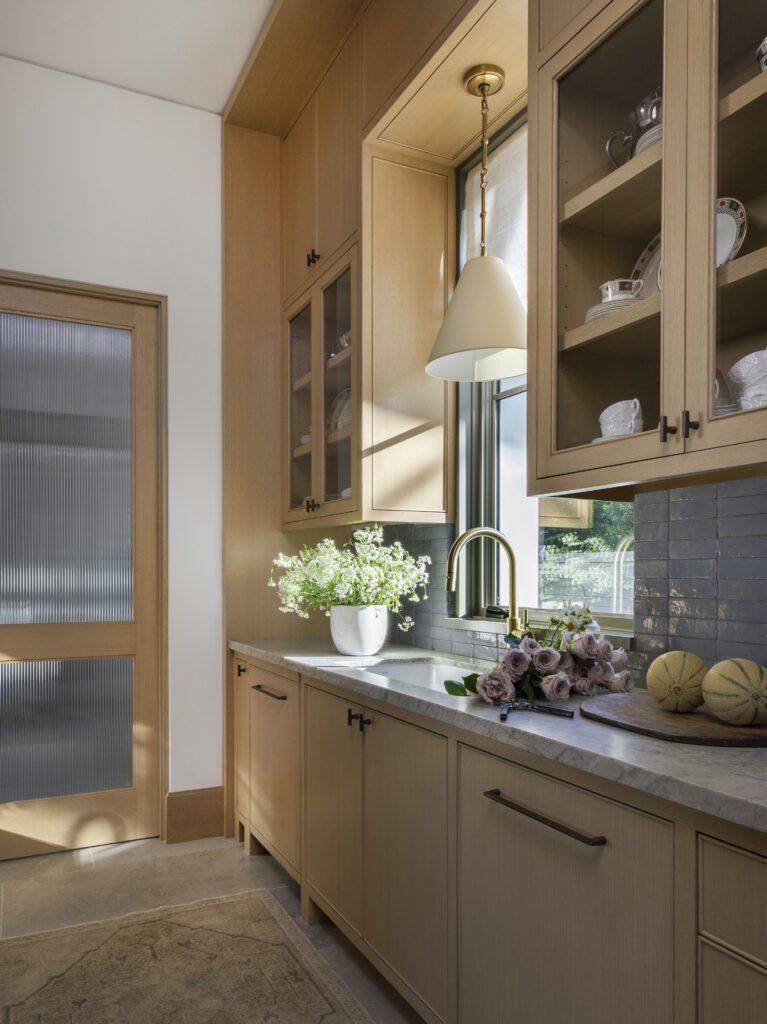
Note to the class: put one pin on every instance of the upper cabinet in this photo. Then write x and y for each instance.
(321, 171)
(646, 279)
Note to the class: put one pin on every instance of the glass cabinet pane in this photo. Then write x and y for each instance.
(337, 396)
(300, 416)
(609, 256)
(740, 211)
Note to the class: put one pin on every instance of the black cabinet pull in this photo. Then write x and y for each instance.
(241, 670)
(312, 505)
(350, 716)
(268, 693)
(313, 257)
(308, 259)
(688, 424)
(664, 429)
(364, 721)
(495, 794)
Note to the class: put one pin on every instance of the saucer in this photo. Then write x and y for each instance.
(616, 437)
(603, 308)
(648, 139)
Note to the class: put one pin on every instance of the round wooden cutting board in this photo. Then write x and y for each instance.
(638, 712)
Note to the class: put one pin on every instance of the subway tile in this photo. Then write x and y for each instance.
(651, 531)
(645, 550)
(650, 568)
(652, 625)
(650, 644)
(744, 611)
(743, 568)
(688, 568)
(742, 632)
(732, 649)
(705, 548)
(650, 513)
(697, 491)
(705, 649)
(651, 606)
(747, 505)
(460, 647)
(703, 629)
(742, 526)
(692, 529)
(655, 587)
(651, 498)
(691, 587)
(704, 608)
(742, 589)
(743, 547)
(739, 488)
(443, 646)
(697, 508)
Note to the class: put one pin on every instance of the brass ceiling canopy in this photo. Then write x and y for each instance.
(484, 80)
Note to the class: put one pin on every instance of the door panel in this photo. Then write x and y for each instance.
(80, 603)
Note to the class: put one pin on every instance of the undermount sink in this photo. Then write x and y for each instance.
(430, 673)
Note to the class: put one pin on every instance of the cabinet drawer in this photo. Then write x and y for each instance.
(733, 897)
(730, 989)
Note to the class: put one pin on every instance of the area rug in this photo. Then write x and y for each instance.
(233, 960)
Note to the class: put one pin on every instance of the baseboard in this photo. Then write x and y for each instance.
(194, 814)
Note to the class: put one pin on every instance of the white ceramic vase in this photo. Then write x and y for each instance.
(359, 630)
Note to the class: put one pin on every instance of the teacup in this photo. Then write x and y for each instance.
(761, 55)
(620, 288)
(629, 410)
(617, 428)
(748, 371)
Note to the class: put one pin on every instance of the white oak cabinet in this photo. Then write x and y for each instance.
(376, 823)
(652, 213)
(566, 902)
(241, 745)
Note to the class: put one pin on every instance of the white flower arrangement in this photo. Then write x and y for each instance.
(362, 572)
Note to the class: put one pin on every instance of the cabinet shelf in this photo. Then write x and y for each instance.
(302, 382)
(632, 331)
(337, 436)
(742, 139)
(625, 203)
(741, 294)
(338, 359)
(302, 450)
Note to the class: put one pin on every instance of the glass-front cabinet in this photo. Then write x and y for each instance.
(727, 258)
(650, 180)
(322, 428)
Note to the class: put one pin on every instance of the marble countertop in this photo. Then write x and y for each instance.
(728, 783)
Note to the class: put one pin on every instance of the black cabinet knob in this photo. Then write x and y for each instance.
(664, 429)
(312, 505)
(688, 425)
(241, 669)
(351, 716)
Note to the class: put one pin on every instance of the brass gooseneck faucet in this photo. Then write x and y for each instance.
(515, 626)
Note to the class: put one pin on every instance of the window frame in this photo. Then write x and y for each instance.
(478, 495)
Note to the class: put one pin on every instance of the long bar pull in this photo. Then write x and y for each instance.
(268, 693)
(496, 795)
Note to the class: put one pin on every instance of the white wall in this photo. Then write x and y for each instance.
(109, 187)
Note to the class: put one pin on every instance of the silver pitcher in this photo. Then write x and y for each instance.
(648, 114)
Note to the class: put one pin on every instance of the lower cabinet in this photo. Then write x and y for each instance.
(376, 835)
(731, 989)
(241, 744)
(553, 929)
(275, 763)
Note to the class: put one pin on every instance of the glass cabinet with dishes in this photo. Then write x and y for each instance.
(321, 346)
(649, 199)
(727, 267)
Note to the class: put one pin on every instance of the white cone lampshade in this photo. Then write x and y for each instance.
(484, 333)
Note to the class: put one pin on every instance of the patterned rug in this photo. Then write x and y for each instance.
(234, 960)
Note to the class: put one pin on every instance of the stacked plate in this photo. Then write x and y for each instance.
(648, 139)
(603, 308)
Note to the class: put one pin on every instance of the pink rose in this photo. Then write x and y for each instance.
(556, 687)
(529, 645)
(619, 659)
(566, 663)
(604, 649)
(585, 686)
(602, 673)
(495, 685)
(545, 660)
(584, 645)
(516, 663)
(621, 682)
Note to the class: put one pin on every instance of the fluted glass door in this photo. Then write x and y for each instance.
(79, 545)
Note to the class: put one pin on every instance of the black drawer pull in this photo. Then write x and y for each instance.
(351, 717)
(240, 670)
(268, 693)
(495, 794)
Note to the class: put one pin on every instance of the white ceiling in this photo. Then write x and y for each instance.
(188, 51)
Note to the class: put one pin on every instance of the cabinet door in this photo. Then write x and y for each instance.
(406, 890)
(333, 794)
(552, 929)
(731, 990)
(241, 739)
(301, 437)
(727, 241)
(598, 223)
(339, 148)
(275, 774)
(299, 231)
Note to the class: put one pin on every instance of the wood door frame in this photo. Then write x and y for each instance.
(160, 304)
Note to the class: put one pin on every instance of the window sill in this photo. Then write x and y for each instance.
(624, 635)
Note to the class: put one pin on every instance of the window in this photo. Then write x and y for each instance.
(568, 549)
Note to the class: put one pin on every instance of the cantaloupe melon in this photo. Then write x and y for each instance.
(736, 691)
(675, 680)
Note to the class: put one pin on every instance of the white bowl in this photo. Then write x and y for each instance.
(748, 371)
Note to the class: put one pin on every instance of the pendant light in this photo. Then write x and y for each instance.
(484, 333)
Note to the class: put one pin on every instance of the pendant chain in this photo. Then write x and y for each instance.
(483, 172)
